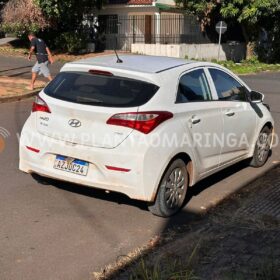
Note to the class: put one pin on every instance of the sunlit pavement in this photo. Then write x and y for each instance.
(15, 86)
(63, 231)
(15, 75)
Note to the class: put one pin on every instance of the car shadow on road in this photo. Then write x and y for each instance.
(123, 199)
(214, 179)
(185, 221)
(90, 192)
(19, 74)
(186, 215)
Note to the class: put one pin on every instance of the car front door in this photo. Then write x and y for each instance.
(201, 117)
(239, 117)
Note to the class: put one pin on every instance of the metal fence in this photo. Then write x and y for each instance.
(121, 31)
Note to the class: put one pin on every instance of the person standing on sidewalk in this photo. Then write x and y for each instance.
(44, 57)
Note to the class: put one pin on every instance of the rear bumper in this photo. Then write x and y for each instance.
(146, 157)
(129, 183)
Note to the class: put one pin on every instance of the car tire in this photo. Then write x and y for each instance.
(262, 148)
(172, 190)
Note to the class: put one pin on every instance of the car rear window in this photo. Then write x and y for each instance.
(100, 90)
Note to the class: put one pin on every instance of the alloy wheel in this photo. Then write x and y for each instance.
(175, 189)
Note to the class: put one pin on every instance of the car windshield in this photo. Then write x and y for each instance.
(100, 90)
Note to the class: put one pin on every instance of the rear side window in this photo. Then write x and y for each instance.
(98, 90)
(193, 86)
(228, 89)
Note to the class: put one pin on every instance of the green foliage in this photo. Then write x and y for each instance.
(252, 65)
(49, 17)
(168, 269)
(3, 3)
(66, 19)
(22, 16)
(251, 15)
(252, 60)
(67, 14)
(20, 30)
(245, 11)
(71, 42)
(249, 11)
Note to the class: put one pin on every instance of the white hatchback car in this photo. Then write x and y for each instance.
(146, 126)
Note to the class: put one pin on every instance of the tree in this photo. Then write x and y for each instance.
(67, 14)
(251, 15)
(35, 15)
(66, 31)
(59, 21)
(2, 4)
(22, 16)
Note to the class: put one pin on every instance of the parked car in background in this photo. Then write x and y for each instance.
(145, 126)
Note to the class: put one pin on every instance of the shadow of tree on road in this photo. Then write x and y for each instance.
(17, 68)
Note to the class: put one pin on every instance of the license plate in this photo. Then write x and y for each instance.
(71, 165)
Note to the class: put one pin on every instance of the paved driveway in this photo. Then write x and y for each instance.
(64, 231)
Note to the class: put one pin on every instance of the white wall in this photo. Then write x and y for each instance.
(166, 2)
(127, 10)
(192, 51)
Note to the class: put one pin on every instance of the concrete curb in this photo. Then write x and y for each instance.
(12, 98)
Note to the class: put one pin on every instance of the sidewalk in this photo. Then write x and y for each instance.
(16, 89)
(239, 239)
(4, 41)
(15, 75)
(10, 86)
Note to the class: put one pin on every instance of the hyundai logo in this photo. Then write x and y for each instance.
(74, 123)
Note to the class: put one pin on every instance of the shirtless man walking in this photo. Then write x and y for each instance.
(44, 57)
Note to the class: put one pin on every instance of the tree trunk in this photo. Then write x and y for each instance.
(249, 44)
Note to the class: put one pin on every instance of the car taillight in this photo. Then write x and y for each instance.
(114, 168)
(33, 149)
(100, 72)
(39, 105)
(144, 122)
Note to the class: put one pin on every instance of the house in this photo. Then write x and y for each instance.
(156, 27)
(139, 7)
(126, 22)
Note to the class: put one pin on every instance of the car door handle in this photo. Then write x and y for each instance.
(195, 120)
(229, 113)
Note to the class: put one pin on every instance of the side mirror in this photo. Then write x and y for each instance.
(256, 97)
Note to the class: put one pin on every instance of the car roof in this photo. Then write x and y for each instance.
(137, 63)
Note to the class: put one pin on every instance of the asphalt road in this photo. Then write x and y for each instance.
(21, 67)
(64, 231)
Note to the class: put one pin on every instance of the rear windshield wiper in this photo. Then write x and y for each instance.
(88, 100)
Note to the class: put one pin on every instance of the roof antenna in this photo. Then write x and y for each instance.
(116, 45)
(118, 59)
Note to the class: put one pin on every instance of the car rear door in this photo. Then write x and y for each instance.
(238, 116)
(201, 117)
